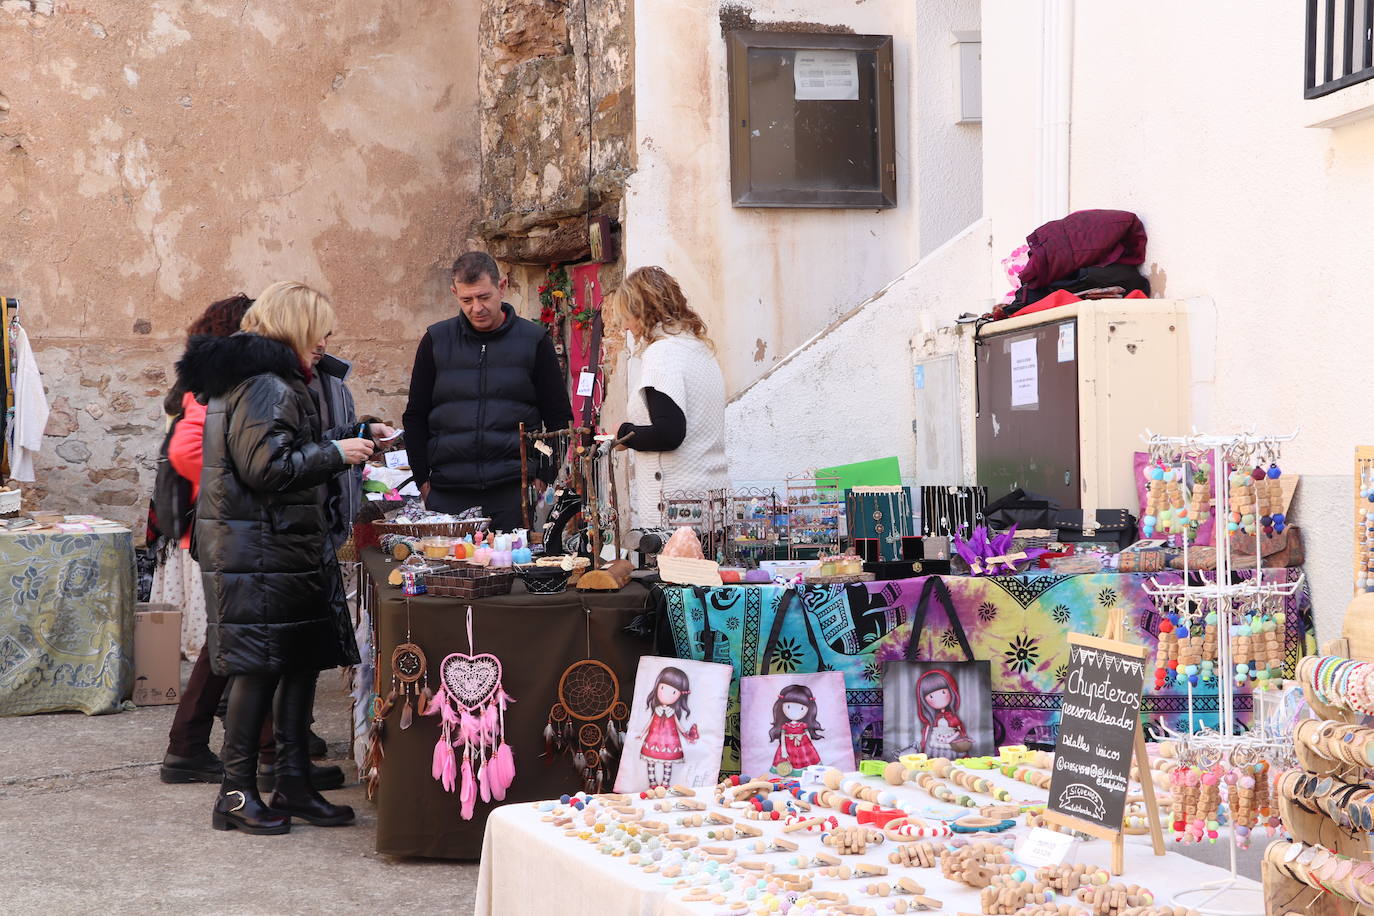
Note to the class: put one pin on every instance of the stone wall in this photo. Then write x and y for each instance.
(156, 156)
(535, 95)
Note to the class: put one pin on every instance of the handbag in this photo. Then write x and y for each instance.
(1113, 525)
(942, 709)
(1027, 511)
(173, 512)
(1279, 550)
(793, 720)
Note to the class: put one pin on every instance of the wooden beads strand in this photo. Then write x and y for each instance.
(1031, 776)
(1066, 879)
(1053, 909)
(902, 886)
(1006, 895)
(976, 864)
(852, 841)
(1114, 899)
(916, 855)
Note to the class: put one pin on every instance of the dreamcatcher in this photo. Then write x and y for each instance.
(588, 693)
(472, 705)
(409, 668)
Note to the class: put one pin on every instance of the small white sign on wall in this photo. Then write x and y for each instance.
(1066, 342)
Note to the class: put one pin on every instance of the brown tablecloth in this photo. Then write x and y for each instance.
(536, 637)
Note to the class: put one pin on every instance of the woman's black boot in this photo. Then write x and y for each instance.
(239, 807)
(294, 796)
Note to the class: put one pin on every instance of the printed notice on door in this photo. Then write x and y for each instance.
(1025, 378)
(826, 76)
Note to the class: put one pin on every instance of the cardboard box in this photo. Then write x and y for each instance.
(157, 655)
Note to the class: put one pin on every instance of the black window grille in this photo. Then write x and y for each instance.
(1340, 45)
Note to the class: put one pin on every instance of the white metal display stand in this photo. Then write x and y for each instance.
(1233, 896)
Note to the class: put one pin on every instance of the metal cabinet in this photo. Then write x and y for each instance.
(1063, 397)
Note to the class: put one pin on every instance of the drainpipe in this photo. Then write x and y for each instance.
(1056, 104)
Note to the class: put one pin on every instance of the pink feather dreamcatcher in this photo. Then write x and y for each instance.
(471, 704)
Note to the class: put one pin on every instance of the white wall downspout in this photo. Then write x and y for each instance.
(1056, 105)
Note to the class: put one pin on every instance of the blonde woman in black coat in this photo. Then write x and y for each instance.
(274, 597)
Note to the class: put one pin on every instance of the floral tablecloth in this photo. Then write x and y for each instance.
(1019, 623)
(66, 621)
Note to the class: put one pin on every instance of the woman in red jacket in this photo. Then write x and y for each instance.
(177, 582)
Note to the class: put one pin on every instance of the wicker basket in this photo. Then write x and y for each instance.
(470, 582)
(544, 580)
(432, 529)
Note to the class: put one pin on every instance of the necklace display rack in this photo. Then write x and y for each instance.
(1229, 601)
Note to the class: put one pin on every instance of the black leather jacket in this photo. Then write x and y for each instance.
(274, 595)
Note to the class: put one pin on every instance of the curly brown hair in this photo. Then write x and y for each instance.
(652, 299)
(221, 318)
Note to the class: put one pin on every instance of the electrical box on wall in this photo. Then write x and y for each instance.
(968, 62)
(1065, 395)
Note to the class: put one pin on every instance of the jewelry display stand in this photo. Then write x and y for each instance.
(1232, 896)
(1316, 837)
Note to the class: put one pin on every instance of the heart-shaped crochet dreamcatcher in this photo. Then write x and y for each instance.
(472, 705)
(589, 721)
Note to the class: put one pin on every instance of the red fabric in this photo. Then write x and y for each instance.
(1088, 238)
(1052, 301)
(1136, 294)
(184, 451)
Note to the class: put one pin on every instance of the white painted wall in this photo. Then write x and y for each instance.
(766, 280)
(1192, 116)
(847, 395)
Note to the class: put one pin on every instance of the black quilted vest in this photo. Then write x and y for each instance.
(483, 390)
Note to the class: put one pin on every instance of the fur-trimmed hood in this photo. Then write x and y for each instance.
(213, 366)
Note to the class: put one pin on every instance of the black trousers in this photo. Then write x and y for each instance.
(195, 715)
(250, 704)
(501, 503)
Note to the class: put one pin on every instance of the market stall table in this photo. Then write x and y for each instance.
(1018, 623)
(66, 634)
(536, 637)
(530, 866)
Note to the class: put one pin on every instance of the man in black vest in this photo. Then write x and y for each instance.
(477, 377)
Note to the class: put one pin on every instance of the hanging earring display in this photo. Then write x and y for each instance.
(408, 669)
(588, 721)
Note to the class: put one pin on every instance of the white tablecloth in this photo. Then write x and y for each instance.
(529, 866)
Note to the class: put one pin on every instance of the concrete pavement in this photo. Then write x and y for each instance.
(86, 826)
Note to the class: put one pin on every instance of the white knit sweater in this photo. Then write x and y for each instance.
(685, 369)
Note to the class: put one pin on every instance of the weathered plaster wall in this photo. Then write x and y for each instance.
(1245, 205)
(766, 280)
(156, 156)
(557, 143)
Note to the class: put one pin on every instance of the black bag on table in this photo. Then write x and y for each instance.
(1027, 511)
(1116, 526)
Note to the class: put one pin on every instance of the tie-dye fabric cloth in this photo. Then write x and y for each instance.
(1019, 623)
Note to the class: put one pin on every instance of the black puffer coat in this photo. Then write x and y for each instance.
(274, 596)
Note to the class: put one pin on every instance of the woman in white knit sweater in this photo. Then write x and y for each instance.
(677, 395)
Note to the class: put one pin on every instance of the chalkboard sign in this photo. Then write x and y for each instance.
(1100, 719)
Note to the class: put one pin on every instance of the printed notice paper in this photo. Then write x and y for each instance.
(1025, 381)
(1066, 336)
(826, 75)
